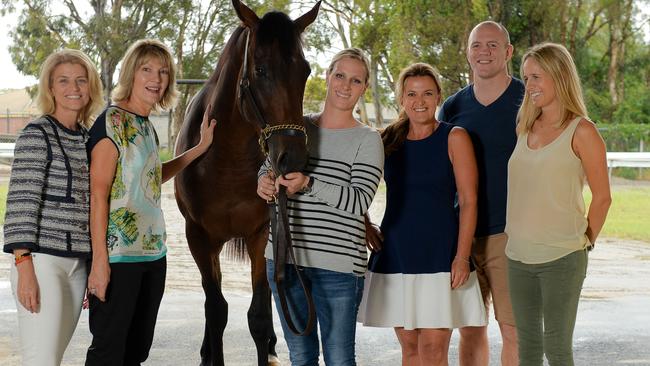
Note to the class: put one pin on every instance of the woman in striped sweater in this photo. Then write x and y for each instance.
(326, 208)
(46, 222)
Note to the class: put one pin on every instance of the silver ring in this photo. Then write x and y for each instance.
(93, 290)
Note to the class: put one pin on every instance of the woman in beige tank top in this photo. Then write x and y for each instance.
(557, 149)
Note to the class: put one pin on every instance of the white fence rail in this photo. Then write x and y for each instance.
(6, 150)
(614, 159)
(627, 159)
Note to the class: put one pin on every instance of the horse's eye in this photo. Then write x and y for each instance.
(260, 71)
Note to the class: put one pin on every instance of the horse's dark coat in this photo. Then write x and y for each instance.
(217, 193)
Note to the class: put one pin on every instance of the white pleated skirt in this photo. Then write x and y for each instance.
(423, 300)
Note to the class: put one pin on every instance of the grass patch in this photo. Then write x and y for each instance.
(165, 155)
(629, 213)
(632, 173)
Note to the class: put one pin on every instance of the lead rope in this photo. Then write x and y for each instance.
(282, 235)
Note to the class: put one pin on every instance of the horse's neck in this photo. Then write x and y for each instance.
(237, 138)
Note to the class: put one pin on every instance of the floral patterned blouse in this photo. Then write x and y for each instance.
(136, 226)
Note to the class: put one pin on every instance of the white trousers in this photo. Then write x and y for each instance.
(45, 335)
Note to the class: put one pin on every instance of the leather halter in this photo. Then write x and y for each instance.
(245, 87)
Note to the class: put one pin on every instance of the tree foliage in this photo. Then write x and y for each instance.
(605, 37)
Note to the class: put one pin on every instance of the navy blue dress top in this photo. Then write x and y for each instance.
(420, 225)
(409, 281)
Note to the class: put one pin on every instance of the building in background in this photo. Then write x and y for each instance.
(17, 108)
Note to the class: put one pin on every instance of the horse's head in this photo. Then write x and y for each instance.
(272, 83)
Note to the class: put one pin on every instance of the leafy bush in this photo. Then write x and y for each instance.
(165, 154)
(625, 136)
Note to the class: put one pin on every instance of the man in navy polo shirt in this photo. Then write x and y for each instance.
(487, 109)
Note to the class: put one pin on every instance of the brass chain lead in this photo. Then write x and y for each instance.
(266, 133)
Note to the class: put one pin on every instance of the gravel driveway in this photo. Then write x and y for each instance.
(613, 321)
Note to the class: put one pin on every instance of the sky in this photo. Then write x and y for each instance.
(13, 79)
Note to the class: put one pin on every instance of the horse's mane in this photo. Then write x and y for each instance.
(274, 26)
(278, 27)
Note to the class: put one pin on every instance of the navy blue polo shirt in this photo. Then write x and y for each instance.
(492, 129)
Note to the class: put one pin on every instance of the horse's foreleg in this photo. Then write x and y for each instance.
(260, 320)
(206, 256)
(216, 317)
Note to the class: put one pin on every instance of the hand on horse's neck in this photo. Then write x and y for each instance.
(334, 119)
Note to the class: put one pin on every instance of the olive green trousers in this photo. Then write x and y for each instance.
(545, 303)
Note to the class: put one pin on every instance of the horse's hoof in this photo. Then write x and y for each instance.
(274, 361)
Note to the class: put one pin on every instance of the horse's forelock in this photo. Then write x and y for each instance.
(277, 26)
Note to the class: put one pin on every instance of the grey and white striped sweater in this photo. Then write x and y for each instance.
(48, 198)
(327, 225)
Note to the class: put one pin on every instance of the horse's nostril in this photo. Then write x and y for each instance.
(282, 163)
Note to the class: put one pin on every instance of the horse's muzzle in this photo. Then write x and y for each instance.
(290, 159)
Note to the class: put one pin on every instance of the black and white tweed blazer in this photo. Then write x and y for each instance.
(48, 197)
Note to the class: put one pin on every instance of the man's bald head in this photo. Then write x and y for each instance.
(492, 24)
(489, 50)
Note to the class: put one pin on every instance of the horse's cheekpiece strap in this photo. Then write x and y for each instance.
(287, 129)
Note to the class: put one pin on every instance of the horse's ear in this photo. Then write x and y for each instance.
(245, 13)
(307, 18)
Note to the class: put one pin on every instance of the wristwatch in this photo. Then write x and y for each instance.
(307, 189)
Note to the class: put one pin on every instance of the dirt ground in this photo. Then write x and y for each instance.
(615, 303)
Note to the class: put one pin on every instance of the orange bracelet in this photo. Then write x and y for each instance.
(24, 257)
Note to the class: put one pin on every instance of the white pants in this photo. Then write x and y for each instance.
(45, 335)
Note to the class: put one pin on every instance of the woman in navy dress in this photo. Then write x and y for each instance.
(420, 281)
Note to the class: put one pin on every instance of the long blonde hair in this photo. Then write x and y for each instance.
(139, 53)
(394, 135)
(45, 100)
(556, 60)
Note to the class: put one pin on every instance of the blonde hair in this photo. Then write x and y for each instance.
(394, 135)
(139, 53)
(45, 100)
(556, 60)
(353, 53)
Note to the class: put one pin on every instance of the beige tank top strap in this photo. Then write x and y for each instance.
(571, 126)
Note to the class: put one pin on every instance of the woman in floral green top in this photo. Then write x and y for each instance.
(127, 276)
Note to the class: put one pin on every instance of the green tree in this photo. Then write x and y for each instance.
(435, 33)
(197, 33)
(195, 30)
(104, 34)
(315, 90)
(603, 36)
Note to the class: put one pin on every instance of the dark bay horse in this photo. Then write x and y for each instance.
(258, 83)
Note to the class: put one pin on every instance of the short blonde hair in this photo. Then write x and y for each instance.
(45, 99)
(139, 53)
(556, 60)
(353, 53)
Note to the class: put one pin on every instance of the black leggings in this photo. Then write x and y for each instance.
(123, 326)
